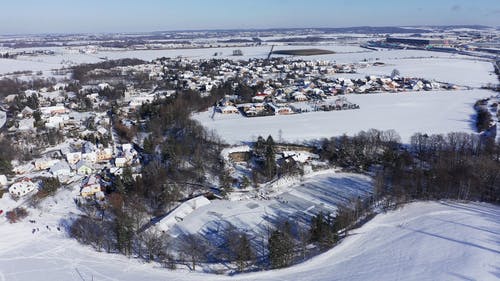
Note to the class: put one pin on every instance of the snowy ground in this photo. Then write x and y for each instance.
(344, 54)
(459, 71)
(289, 201)
(422, 241)
(407, 113)
(3, 118)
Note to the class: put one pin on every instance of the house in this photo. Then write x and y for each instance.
(89, 157)
(55, 122)
(27, 124)
(91, 185)
(44, 163)
(54, 110)
(229, 109)
(3, 180)
(22, 187)
(27, 112)
(121, 162)
(61, 168)
(104, 154)
(83, 168)
(280, 109)
(73, 157)
(298, 96)
(260, 97)
(23, 169)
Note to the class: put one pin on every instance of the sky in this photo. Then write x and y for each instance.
(89, 16)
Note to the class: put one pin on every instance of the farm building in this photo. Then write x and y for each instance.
(22, 187)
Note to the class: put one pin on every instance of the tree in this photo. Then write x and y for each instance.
(225, 184)
(244, 252)
(281, 247)
(124, 233)
(16, 214)
(395, 73)
(322, 231)
(270, 159)
(193, 247)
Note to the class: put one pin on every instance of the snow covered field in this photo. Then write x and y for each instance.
(407, 113)
(422, 241)
(459, 71)
(344, 54)
(288, 200)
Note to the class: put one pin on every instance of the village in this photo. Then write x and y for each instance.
(66, 131)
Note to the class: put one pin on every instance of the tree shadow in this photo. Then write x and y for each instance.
(462, 277)
(452, 240)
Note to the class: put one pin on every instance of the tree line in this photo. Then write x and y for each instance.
(453, 166)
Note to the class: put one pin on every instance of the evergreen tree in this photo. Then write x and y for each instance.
(323, 231)
(281, 247)
(244, 253)
(270, 159)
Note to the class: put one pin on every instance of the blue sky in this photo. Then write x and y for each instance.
(66, 16)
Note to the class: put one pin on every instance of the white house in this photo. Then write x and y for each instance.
(22, 187)
(73, 157)
(90, 157)
(121, 161)
(3, 180)
(104, 154)
(61, 168)
(44, 163)
(27, 124)
(83, 168)
(229, 109)
(55, 122)
(90, 186)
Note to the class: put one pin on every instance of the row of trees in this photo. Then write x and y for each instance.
(457, 165)
(483, 118)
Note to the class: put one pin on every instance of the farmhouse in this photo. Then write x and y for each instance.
(73, 157)
(229, 109)
(22, 187)
(90, 186)
(280, 109)
(83, 168)
(61, 168)
(44, 163)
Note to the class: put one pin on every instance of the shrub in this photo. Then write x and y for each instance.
(16, 214)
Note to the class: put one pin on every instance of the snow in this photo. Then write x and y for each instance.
(181, 212)
(464, 72)
(3, 118)
(422, 241)
(285, 199)
(344, 54)
(407, 113)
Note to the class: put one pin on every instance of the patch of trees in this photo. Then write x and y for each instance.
(113, 93)
(360, 152)
(16, 214)
(17, 86)
(49, 186)
(264, 152)
(82, 72)
(7, 154)
(483, 117)
(432, 167)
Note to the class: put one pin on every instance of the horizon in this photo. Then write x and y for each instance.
(251, 29)
(114, 16)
